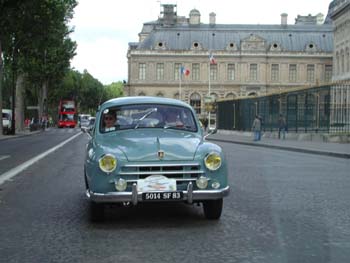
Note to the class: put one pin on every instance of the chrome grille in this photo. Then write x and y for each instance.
(181, 172)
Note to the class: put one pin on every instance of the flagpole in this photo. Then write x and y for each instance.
(180, 77)
(209, 93)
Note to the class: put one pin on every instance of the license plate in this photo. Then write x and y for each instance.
(156, 196)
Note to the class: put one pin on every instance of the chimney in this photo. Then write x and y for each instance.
(212, 18)
(284, 17)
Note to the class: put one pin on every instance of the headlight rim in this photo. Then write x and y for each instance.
(207, 156)
(108, 155)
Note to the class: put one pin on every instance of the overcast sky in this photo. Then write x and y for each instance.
(103, 28)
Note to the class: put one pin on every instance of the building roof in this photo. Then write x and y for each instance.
(291, 38)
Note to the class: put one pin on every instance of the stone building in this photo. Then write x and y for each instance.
(339, 12)
(250, 60)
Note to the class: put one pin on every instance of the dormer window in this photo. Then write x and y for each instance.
(231, 46)
(196, 46)
(275, 47)
(311, 47)
(160, 45)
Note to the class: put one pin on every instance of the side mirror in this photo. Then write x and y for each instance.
(211, 130)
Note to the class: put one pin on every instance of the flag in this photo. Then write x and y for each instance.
(184, 71)
(212, 59)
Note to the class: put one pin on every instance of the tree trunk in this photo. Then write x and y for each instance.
(43, 99)
(19, 111)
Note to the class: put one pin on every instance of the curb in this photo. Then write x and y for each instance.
(9, 137)
(287, 148)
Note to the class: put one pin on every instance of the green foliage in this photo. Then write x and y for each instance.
(114, 90)
(35, 41)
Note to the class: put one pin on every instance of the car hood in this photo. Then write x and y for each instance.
(148, 145)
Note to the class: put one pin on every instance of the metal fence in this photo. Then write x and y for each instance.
(320, 109)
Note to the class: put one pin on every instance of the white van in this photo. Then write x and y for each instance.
(6, 120)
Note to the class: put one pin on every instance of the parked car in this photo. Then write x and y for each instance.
(6, 120)
(89, 126)
(83, 120)
(151, 149)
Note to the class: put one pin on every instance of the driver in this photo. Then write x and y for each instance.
(109, 120)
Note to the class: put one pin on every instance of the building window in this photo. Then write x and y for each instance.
(310, 73)
(253, 72)
(231, 72)
(230, 96)
(292, 72)
(337, 65)
(347, 59)
(195, 102)
(342, 67)
(160, 71)
(142, 71)
(213, 72)
(275, 72)
(195, 71)
(177, 68)
(328, 73)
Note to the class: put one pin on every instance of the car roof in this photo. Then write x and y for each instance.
(143, 100)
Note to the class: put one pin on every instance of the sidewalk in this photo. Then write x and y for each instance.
(26, 132)
(341, 150)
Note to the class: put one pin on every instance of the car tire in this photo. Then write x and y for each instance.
(212, 208)
(96, 212)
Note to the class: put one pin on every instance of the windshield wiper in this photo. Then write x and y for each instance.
(145, 116)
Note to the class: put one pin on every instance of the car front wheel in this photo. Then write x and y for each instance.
(212, 208)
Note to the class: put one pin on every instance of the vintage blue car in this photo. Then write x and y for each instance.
(152, 149)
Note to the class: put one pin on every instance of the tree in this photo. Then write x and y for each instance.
(36, 44)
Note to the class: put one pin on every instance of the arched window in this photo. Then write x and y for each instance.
(160, 94)
(142, 93)
(252, 93)
(230, 95)
(195, 102)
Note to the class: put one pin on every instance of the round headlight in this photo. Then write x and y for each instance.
(202, 182)
(212, 161)
(121, 184)
(107, 163)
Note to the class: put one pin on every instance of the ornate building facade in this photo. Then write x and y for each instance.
(339, 12)
(250, 60)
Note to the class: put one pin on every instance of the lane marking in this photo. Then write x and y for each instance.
(14, 171)
(3, 157)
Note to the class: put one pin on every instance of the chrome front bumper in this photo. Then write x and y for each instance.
(134, 197)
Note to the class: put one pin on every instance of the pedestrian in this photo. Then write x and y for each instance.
(256, 128)
(282, 126)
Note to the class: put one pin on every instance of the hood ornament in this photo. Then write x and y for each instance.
(161, 154)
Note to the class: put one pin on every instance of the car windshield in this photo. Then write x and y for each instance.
(147, 116)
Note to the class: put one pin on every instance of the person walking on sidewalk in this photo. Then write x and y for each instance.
(256, 128)
(282, 127)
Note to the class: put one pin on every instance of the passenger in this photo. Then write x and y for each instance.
(172, 119)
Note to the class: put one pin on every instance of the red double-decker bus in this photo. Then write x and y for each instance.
(67, 114)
